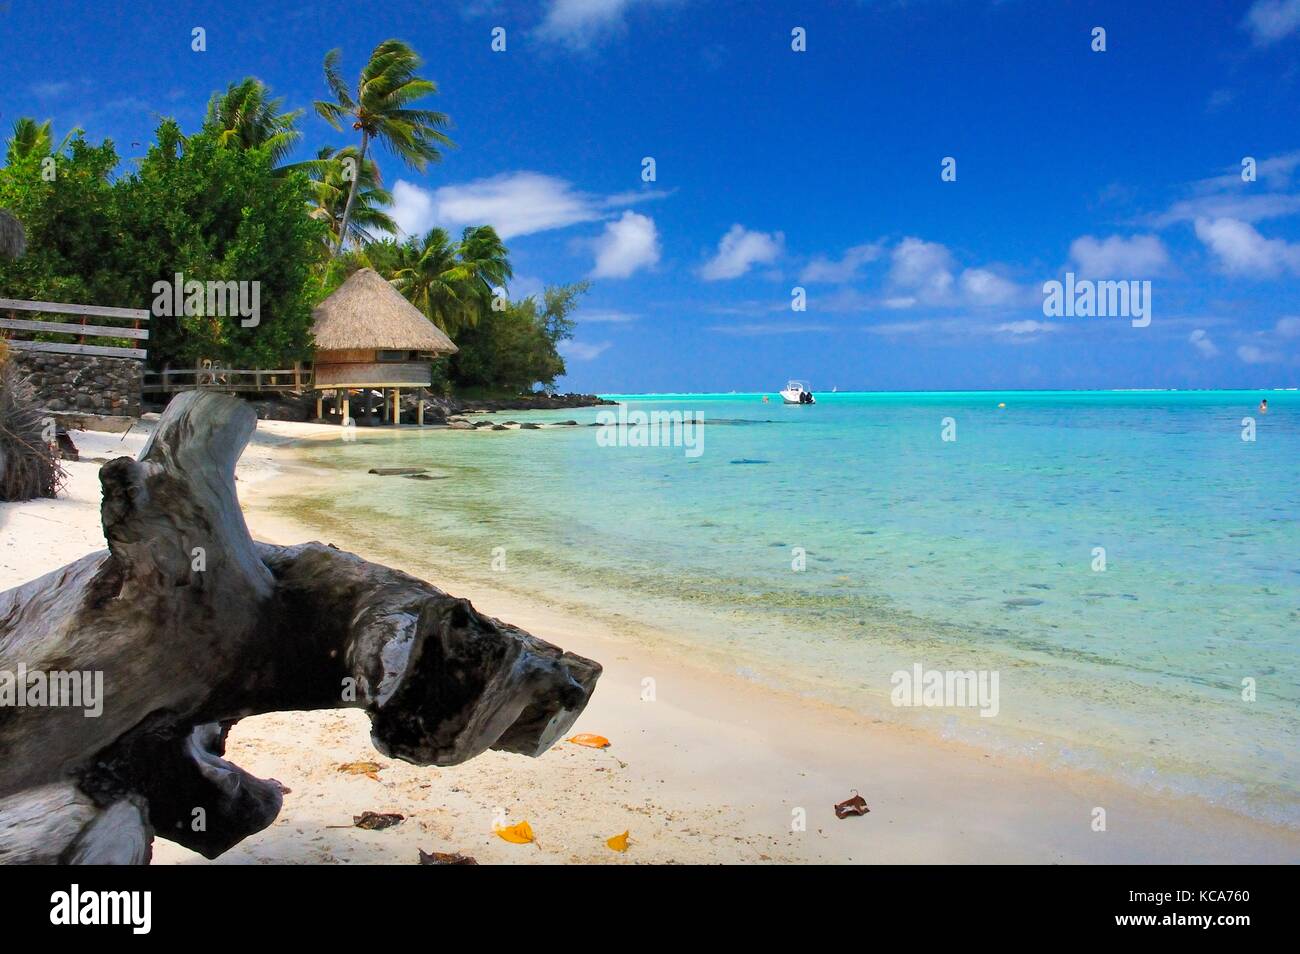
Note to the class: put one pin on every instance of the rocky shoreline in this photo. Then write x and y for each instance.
(438, 409)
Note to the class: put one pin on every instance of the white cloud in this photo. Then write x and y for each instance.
(925, 273)
(924, 268)
(1202, 343)
(51, 89)
(1241, 250)
(629, 243)
(739, 250)
(1028, 327)
(1246, 208)
(983, 287)
(526, 286)
(822, 269)
(515, 203)
(413, 209)
(584, 352)
(1268, 21)
(1117, 257)
(1227, 196)
(581, 23)
(966, 328)
(608, 317)
(1253, 354)
(1289, 327)
(770, 328)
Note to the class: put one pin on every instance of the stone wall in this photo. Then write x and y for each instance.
(74, 382)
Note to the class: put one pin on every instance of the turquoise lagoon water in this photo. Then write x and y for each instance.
(977, 553)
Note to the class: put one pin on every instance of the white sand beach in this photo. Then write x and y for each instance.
(714, 770)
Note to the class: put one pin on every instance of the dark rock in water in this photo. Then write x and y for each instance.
(1038, 586)
(499, 427)
(746, 460)
(533, 402)
(396, 471)
(569, 423)
(509, 423)
(1022, 601)
(530, 427)
(461, 425)
(424, 477)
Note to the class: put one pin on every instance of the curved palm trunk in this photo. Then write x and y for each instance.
(352, 193)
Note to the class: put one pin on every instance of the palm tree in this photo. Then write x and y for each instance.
(487, 261)
(330, 187)
(433, 279)
(31, 138)
(380, 109)
(247, 117)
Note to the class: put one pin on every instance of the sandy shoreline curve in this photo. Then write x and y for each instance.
(716, 769)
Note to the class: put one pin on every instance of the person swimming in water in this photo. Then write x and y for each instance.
(1263, 406)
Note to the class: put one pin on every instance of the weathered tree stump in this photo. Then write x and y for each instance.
(194, 626)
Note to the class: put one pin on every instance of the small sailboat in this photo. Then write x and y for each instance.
(796, 392)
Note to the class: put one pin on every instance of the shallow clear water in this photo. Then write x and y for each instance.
(976, 553)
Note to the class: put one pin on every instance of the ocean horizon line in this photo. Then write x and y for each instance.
(652, 394)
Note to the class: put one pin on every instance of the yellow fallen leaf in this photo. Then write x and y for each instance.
(586, 738)
(521, 834)
(618, 842)
(362, 768)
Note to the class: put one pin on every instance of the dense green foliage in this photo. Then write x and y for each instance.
(219, 214)
(195, 207)
(513, 349)
(224, 205)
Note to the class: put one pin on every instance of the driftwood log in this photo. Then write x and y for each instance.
(194, 626)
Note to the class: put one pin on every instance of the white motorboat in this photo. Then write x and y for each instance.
(796, 392)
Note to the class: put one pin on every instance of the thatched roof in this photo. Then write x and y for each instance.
(366, 312)
(13, 242)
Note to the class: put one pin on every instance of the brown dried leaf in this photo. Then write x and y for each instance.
(854, 805)
(377, 821)
(445, 858)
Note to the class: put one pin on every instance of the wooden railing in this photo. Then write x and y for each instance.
(81, 330)
(293, 380)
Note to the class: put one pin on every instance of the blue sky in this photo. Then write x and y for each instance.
(778, 169)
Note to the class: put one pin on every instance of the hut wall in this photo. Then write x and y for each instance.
(360, 356)
(74, 382)
(387, 374)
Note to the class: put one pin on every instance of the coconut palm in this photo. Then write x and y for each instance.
(485, 256)
(31, 138)
(381, 110)
(431, 277)
(247, 117)
(13, 241)
(330, 185)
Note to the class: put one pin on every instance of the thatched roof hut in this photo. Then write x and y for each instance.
(13, 241)
(368, 312)
(369, 336)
